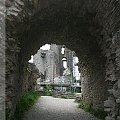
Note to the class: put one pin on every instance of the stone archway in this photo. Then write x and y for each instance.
(90, 28)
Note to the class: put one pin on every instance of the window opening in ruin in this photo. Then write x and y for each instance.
(63, 49)
(65, 64)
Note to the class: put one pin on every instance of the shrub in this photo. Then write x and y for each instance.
(48, 90)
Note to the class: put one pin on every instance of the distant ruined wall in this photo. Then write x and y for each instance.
(40, 60)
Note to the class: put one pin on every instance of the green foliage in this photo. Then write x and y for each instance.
(88, 108)
(24, 104)
(48, 90)
(84, 106)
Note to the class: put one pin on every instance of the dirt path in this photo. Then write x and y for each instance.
(49, 108)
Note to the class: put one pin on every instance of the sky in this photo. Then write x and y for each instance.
(31, 60)
(44, 47)
(76, 70)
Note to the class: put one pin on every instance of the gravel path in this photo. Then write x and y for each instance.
(49, 108)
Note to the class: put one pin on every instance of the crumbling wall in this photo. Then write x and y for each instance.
(34, 75)
(94, 86)
(112, 105)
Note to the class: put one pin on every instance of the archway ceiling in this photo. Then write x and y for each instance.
(61, 23)
(71, 22)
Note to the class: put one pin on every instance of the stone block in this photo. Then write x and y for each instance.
(118, 117)
(109, 103)
(116, 93)
(109, 118)
(110, 91)
(118, 100)
(107, 109)
(119, 83)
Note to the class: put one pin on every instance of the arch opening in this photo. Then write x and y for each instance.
(57, 70)
(80, 26)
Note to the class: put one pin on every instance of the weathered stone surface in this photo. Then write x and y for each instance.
(91, 30)
(119, 84)
(118, 100)
(34, 75)
(2, 60)
(109, 118)
(118, 117)
(109, 103)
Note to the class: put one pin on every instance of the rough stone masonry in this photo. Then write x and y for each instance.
(2, 60)
(91, 28)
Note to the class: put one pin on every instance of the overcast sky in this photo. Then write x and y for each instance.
(44, 47)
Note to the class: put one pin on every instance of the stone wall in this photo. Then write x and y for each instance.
(47, 61)
(40, 60)
(94, 86)
(91, 30)
(13, 82)
(112, 105)
(34, 75)
(2, 60)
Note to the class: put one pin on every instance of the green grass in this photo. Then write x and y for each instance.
(24, 104)
(88, 108)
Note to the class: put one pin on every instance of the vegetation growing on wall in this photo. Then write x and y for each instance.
(24, 104)
(88, 108)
